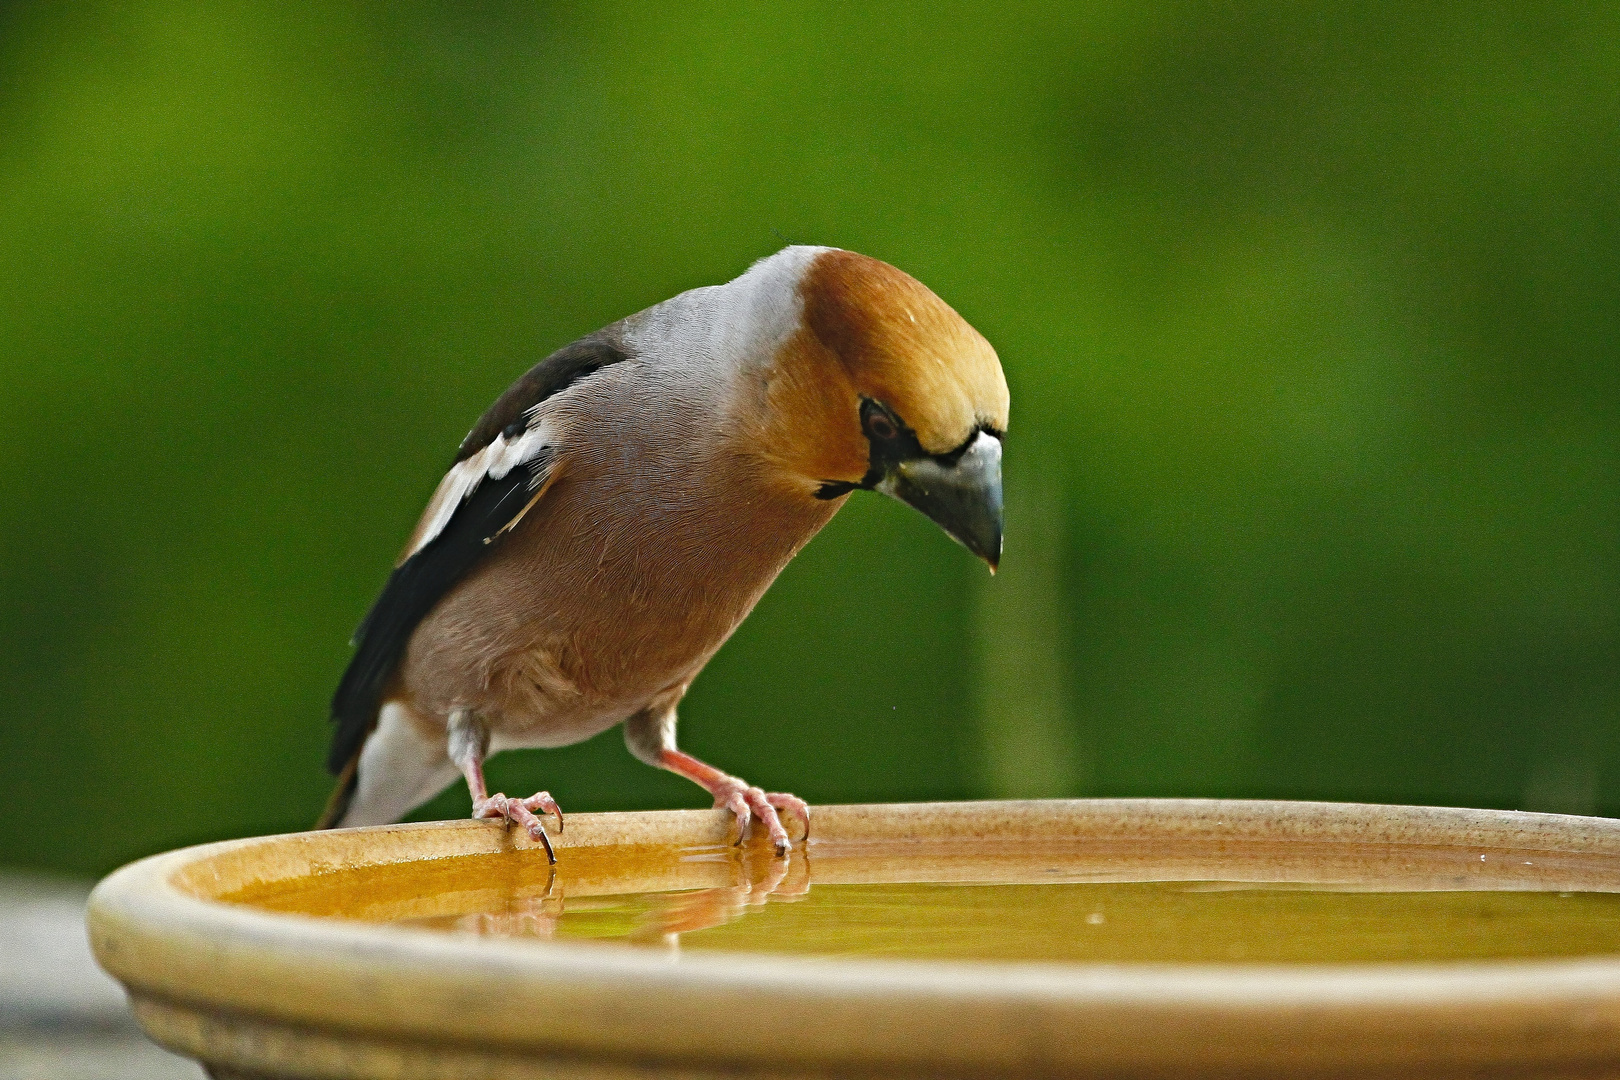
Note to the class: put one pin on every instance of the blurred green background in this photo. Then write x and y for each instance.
(1311, 314)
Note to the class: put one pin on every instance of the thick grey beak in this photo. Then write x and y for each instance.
(964, 499)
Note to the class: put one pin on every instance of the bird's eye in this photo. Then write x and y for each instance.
(880, 425)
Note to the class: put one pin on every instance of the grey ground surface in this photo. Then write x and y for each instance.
(61, 1017)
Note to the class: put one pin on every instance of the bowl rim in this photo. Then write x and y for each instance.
(152, 927)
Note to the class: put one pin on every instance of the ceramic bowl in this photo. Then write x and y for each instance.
(214, 971)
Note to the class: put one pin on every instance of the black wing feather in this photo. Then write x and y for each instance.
(412, 591)
(552, 375)
(418, 584)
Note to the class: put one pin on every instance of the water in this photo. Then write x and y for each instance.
(1324, 906)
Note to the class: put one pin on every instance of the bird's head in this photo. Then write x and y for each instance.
(884, 387)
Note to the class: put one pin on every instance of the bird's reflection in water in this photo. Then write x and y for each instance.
(759, 880)
(530, 916)
(655, 919)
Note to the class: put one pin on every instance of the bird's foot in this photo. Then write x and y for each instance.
(521, 812)
(749, 802)
(741, 798)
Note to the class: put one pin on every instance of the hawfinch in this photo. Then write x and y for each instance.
(617, 513)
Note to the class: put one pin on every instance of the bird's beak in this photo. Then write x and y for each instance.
(963, 498)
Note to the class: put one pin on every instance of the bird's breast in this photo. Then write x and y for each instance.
(621, 582)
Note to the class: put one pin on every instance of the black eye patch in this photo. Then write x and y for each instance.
(890, 442)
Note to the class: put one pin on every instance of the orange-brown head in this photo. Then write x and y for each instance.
(885, 387)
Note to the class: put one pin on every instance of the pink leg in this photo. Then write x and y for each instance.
(742, 799)
(468, 754)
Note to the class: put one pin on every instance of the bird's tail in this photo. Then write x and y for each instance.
(337, 804)
(404, 767)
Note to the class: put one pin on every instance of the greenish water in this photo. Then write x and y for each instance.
(627, 899)
(1164, 922)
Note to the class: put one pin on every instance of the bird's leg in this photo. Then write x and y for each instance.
(468, 746)
(650, 735)
(740, 797)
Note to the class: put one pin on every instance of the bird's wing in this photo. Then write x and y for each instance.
(503, 468)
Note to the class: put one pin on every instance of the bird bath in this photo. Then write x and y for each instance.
(1095, 937)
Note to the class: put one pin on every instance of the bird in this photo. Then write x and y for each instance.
(617, 512)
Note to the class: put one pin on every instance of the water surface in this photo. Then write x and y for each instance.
(1054, 906)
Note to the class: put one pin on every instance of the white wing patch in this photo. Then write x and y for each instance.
(495, 461)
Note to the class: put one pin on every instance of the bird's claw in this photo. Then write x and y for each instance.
(794, 805)
(521, 812)
(749, 802)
